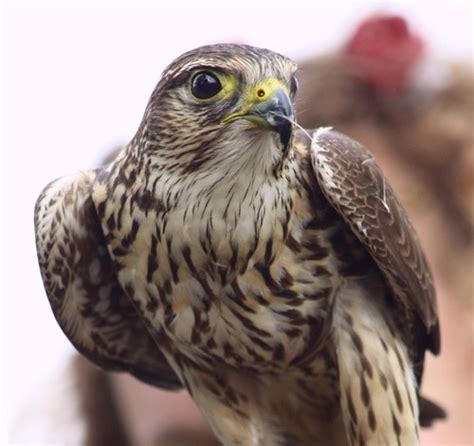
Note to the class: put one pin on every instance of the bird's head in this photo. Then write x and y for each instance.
(220, 106)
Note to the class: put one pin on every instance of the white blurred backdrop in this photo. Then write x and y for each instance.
(76, 77)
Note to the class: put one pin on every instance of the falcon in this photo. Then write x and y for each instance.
(269, 270)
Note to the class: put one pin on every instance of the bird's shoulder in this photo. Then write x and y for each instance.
(348, 177)
(80, 280)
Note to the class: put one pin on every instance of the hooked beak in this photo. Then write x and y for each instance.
(274, 112)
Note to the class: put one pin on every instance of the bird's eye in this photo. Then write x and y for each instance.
(293, 86)
(205, 85)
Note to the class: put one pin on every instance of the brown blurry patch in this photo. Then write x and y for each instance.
(104, 423)
(185, 437)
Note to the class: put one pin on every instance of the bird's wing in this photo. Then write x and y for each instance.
(356, 187)
(86, 298)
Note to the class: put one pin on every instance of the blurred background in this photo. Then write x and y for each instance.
(75, 81)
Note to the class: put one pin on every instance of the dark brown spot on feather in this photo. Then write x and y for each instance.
(348, 319)
(320, 294)
(293, 244)
(265, 273)
(256, 357)
(173, 268)
(152, 304)
(372, 421)
(212, 388)
(294, 316)
(396, 426)
(231, 396)
(211, 344)
(319, 271)
(286, 279)
(152, 259)
(350, 406)
(364, 391)
(366, 365)
(101, 210)
(241, 303)
(195, 336)
(249, 325)
(396, 393)
(357, 341)
(119, 252)
(293, 332)
(268, 252)
(186, 250)
(383, 380)
(228, 350)
(111, 222)
(288, 294)
(399, 358)
(278, 352)
(263, 345)
(147, 201)
(233, 260)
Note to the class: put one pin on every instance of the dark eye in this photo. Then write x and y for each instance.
(293, 86)
(205, 85)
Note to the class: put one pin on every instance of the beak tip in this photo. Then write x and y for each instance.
(279, 113)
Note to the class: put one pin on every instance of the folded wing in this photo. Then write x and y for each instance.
(80, 281)
(356, 187)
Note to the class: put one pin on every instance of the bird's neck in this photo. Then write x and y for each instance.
(234, 173)
(242, 203)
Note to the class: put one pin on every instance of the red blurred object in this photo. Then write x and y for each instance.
(383, 53)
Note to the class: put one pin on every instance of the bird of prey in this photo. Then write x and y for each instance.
(269, 270)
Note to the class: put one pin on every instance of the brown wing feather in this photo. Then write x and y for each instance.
(85, 296)
(356, 187)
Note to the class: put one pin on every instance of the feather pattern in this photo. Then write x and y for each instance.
(269, 279)
(356, 187)
(80, 281)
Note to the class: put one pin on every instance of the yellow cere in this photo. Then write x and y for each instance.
(260, 92)
(263, 90)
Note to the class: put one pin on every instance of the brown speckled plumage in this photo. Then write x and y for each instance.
(283, 287)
